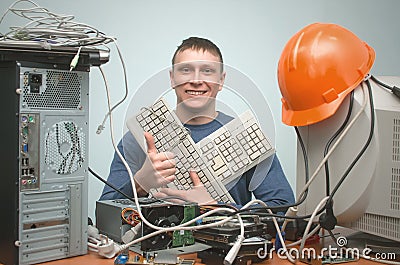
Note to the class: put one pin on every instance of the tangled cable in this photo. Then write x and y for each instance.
(51, 29)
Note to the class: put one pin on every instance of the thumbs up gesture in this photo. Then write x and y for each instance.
(158, 169)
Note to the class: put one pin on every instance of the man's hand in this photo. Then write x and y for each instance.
(198, 194)
(159, 168)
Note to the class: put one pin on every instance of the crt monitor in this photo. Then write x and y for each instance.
(369, 198)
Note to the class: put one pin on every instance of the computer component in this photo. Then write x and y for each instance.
(168, 215)
(109, 220)
(170, 135)
(236, 147)
(108, 216)
(110, 223)
(253, 250)
(369, 198)
(228, 232)
(44, 152)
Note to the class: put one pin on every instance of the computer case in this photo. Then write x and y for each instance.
(44, 152)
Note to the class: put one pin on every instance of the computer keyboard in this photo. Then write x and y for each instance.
(236, 147)
(218, 159)
(170, 135)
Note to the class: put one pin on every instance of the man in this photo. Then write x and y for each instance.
(197, 76)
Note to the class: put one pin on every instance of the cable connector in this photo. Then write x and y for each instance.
(292, 211)
(328, 220)
(131, 233)
(75, 60)
(396, 91)
(100, 128)
(230, 257)
(108, 248)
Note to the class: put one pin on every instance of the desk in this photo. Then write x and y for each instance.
(93, 259)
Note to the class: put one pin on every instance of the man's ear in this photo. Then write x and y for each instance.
(171, 78)
(221, 81)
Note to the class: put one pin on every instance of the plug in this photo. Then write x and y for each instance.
(74, 62)
(131, 233)
(328, 220)
(230, 257)
(292, 211)
(100, 128)
(108, 248)
(396, 91)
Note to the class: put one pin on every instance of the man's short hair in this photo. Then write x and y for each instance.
(198, 44)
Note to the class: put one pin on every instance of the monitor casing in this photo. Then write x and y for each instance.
(369, 198)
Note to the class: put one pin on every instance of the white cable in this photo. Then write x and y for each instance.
(102, 125)
(310, 221)
(92, 247)
(56, 29)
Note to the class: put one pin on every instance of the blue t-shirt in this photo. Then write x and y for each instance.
(273, 188)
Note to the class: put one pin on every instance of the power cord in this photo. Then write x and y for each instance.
(394, 89)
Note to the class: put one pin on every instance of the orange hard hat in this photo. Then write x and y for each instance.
(318, 67)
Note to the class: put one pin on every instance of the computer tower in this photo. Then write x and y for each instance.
(44, 152)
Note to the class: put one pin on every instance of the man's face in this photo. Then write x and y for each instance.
(197, 78)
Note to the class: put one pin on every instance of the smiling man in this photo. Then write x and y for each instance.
(197, 76)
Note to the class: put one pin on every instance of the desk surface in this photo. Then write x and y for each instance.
(93, 259)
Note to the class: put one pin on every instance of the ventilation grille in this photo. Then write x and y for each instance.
(384, 226)
(396, 140)
(60, 90)
(65, 148)
(395, 190)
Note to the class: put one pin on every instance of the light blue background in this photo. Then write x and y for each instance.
(251, 35)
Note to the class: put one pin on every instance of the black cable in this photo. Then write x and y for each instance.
(306, 166)
(394, 89)
(333, 138)
(110, 185)
(328, 220)
(381, 83)
(362, 151)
